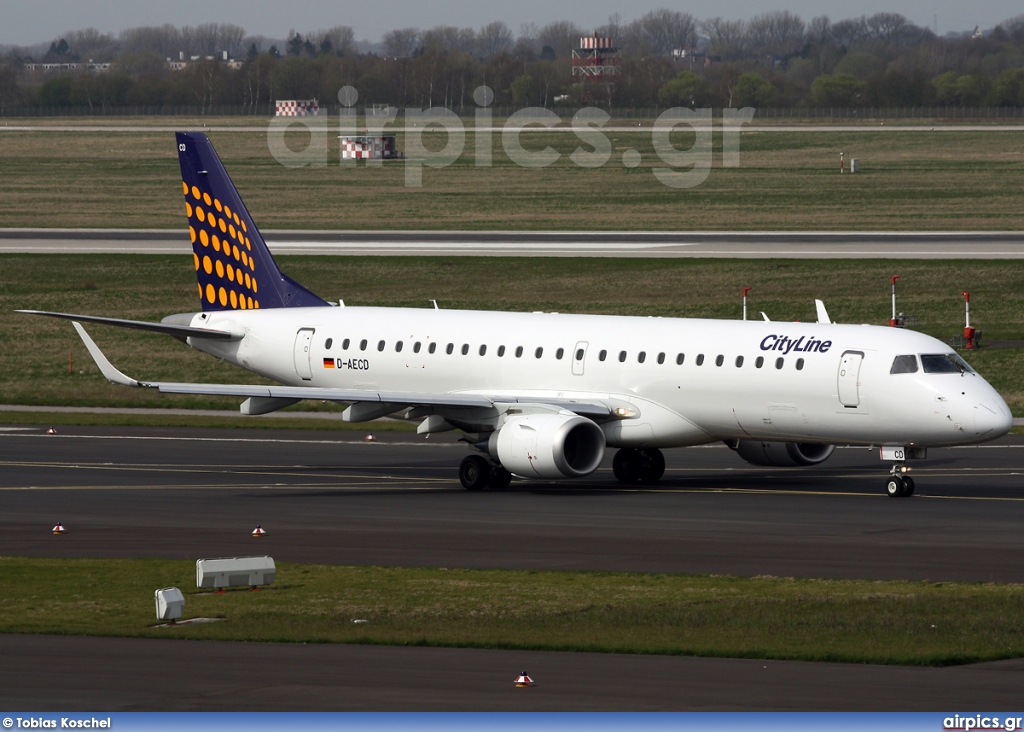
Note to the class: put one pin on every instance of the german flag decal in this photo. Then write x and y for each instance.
(328, 363)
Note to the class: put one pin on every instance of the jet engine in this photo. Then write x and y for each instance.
(782, 454)
(548, 446)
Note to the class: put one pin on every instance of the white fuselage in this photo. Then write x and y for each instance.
(691, 381)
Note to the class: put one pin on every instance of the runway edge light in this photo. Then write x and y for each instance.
(259, 531)
(523, 681)
(58, 529)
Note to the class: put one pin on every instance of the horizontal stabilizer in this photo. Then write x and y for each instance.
(183, 331)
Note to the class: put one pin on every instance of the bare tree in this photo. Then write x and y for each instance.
(163, 39)
(562, 37)
(91, 44)
(494, 38)
(526, 43)
(230, 38)
(448, 39)
(663, 31)
(728, 38)
(776, 33)
(849, 32)
(401, 43)
(207, 39)
(339, 39)
(819, 30)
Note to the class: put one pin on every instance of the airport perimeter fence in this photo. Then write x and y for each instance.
(264, 111)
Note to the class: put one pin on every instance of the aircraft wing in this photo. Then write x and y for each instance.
(400, 400)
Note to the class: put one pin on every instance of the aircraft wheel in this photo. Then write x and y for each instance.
(908, 483)
(652, 465)
(499, 478)
(627, 465)
(474, 472)
(896, 488)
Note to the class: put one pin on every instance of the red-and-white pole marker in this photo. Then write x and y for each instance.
(892, 321)
(745, 291)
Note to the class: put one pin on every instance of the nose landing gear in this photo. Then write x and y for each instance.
(899, 485)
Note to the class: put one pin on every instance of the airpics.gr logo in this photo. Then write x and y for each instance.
(803, 344)
(686, 168)
(980, 721)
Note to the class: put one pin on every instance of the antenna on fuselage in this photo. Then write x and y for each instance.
(822, 313)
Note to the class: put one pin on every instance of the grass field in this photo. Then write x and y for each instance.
(908, 623)
(34, 367)
(925, 180)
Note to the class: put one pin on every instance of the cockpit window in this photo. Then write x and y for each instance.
(944, 363)
(904, 365)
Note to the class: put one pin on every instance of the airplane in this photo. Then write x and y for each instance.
(543, 395)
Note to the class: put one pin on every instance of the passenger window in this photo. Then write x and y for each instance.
(799, 364)
(719, 360)
(328, 343)
(501, 351)
(449, 348)
(380, 345)
(519, 351)
(680, 358)
(539, 352)
(362, 345)
(416, 347)
(559, 353)
(483, 350)
(904, 365)
(700, 359)
(602, 355)
(759, 362)
(465, 349)
(641, 357)
(398, 346)
(739, 361)
(622, 356)
(344, 344)
(579, 354)
(432, 347)
(661, 358)
(779, 362)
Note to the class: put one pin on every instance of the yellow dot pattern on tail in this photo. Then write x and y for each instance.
(227, 273)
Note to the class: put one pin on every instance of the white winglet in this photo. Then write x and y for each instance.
(822, 313)
(766, 318)
(108, 370)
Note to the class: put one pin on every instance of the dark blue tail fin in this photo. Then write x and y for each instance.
(233, 264)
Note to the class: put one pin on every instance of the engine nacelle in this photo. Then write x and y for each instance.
(548, 446)
(782, 454)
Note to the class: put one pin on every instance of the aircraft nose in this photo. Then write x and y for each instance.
(992, 418)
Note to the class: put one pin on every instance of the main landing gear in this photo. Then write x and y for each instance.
(632, 465)
(477, 473)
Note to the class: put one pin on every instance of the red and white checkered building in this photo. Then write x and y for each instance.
(297, 108)
(365, 147)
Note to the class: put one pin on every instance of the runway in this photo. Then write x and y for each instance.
(744, 245)
(336, 497)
